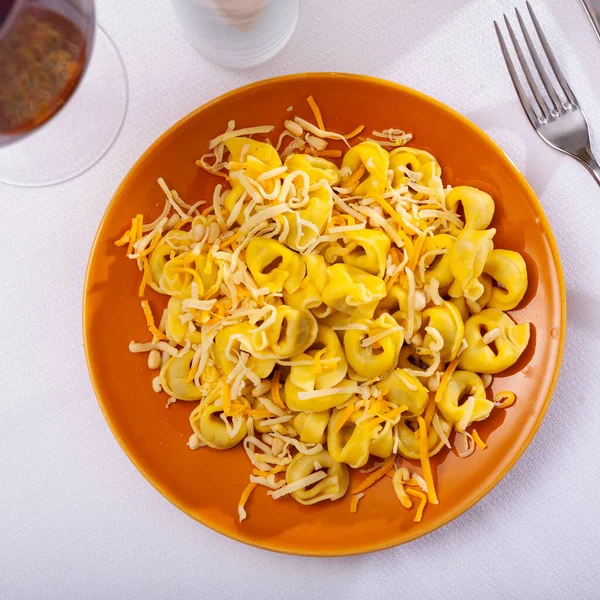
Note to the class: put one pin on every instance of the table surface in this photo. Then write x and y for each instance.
(76, 518)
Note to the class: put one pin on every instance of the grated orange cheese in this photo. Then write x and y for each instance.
(355, 178)
(354, 132)
(195, 275)
(316, 111)
(422, 504)
(392, 280)
(445, 380)
(425, 465)
(192, 374)
(317, 360)
(150, 321)
(396, 217)
(416, 252)
(504, 399)
(181, 224)
(354, 502)
(430, 410)
(478, 440)
(132, 234)
(230, 240)
(124, 239)
(151, 245)
(346, 414)
(146, 277)
(139, 232)
(243, 499)
(374, 477)
(276, 469)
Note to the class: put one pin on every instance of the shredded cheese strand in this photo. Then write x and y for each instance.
(150, 321)
(425, 465)
(373, 477)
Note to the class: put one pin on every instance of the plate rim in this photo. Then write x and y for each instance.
(394, 541)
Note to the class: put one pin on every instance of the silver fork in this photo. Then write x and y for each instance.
(560, 122)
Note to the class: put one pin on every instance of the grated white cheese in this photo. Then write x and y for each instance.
(239, 133)
(437, 426)
(422, 483)
(438, 341)
(319, 132)
(368, 341)
(298, 485)
(136, 347)
(169, 195)
(491, 335)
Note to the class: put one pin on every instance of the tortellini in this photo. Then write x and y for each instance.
(468, 256)
(382, 444)
(439, 266)
(509, 270)
(353, 291)
(465, 383)
(274, 266)
(315, 167)
(179, 274)
(368, 359)
(174, 267)
(370, 249)
(396, 304)
(332, 487)
(291, 332)
(510, 342)
(259, 157)
(208, 425)
(316, 402)
(175, 329)
(375, 160)
(413, 159)
(308, 222)
(404, 389)
(331, 356)
(312, 427)
(409, 441)
(448, 325)
(308, 295)
(161, 255)
(227, 348)
(350, 443)
(478, 207)
(325, 316)
(174, 378)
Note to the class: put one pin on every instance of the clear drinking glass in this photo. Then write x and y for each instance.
(61, 105)
(237, 33)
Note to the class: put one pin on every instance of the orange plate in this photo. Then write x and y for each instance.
(207, 483)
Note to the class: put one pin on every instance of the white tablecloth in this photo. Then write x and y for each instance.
(76, 518)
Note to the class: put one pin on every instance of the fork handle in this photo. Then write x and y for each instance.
(593, 11)
(588, 160)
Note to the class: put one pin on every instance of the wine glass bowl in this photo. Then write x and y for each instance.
(63, 91)
(44, 50)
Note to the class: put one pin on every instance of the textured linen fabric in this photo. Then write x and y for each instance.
(76, 518)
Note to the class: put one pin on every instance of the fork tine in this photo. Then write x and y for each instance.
(554, 99)
(530, 80)
(551, 58)
(525, 102)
